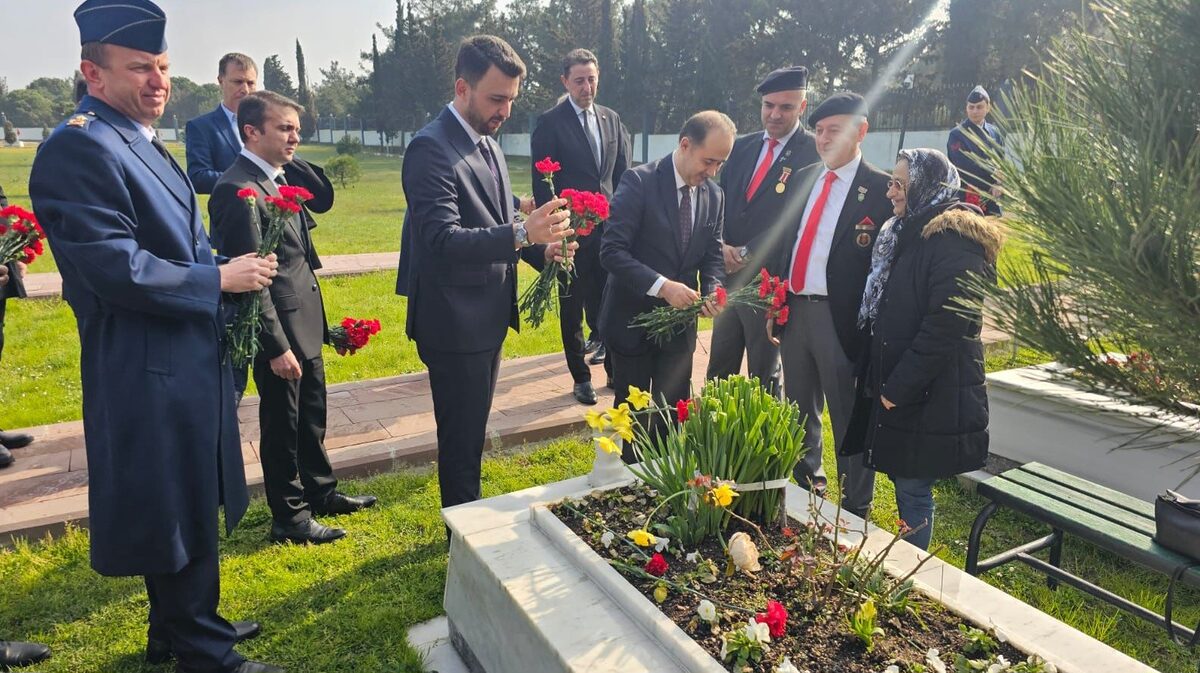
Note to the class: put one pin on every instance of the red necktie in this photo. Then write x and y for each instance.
(800, 266)
(763, 167)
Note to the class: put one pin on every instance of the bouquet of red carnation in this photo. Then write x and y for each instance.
(243, 333)
(664, 322)
(20, 236)
(588, 210)
(352, 334)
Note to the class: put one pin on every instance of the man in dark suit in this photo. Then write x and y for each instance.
(159, 421)
(826, 254)
(592, 145)
(213, 140)
(11, 285)
(663, 246)
(459, 252)
(289, 369)
(755, 182)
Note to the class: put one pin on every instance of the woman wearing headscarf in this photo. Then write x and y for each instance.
(921, 413)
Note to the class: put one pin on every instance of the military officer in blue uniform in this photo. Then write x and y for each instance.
(969, 138)
(138, 271)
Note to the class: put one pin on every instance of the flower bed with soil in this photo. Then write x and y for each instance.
(814, 604)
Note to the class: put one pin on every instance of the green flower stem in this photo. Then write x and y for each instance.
(639, 572)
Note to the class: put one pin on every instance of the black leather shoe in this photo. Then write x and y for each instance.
(159, 651)
(16, 653)
(590, 346)
(340, 503)
(584, 393)
(257, 667)
(15, 440)
(599, 356)
(6, 459)
(308, 531)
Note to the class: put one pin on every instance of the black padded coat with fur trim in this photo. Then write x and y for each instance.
(925, 354)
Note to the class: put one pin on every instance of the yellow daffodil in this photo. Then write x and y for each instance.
(608, 445)
(620, 415)
(640, 399)
(597, 421)
(642, 538)
(721, 496)
(625, 431)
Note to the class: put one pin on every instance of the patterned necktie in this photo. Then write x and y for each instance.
(761, 172)
(593, 143)
(685, 217)
(804, 251)
(490, 160)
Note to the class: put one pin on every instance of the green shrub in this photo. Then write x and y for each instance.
(349, 145)
(344, 170)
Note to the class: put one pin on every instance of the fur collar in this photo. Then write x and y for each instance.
(987, 232)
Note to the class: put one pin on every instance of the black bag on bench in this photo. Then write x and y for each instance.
(1177, 523)
(1177, 527)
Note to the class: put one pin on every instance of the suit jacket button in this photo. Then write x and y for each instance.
(314, 287)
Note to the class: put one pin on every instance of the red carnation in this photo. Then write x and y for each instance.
(548, 166)
(722, 296)
(775, 618)
(682, 409)
(782, 317)
(295, 194)
(247, 193)
(780, 298)
(657, 566)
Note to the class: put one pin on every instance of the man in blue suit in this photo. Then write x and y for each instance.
(459, 253)
(159, 425)
(213, 141)
(662, 246)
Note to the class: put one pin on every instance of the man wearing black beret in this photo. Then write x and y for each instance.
(835, 211)
(756, 181)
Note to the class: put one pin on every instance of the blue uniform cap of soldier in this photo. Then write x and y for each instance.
(978, 94)
(790, 78)
(136, 24)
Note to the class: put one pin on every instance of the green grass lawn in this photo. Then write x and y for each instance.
(41, 354)
(345, 607)
(366, 217)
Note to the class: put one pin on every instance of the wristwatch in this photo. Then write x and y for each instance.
(521, 235)
(744, 252)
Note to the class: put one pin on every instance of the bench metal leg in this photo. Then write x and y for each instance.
(1055, 557)
(976, 531)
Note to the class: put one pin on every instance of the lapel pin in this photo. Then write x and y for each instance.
(862, 193)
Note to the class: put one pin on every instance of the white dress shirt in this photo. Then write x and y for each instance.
(592, 128)
(782, 143)
(267, 169)
(814, 277)
(680, 183)
(233, 123)
(474, 135)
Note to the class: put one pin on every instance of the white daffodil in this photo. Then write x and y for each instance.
(607, 539)
(661, 544)
(707, 611)
(786, 666)
(693, 557)
(744, 552)
(760, 632)
(999, 666)
(934, 661)
(1001, 636)
(724, 647)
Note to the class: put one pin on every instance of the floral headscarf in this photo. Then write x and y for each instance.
(932, 181)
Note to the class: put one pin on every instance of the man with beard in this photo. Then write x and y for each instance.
(459, 253)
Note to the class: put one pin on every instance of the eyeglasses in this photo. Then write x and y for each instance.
(893, 183)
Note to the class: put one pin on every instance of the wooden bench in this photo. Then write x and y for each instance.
(1111, 520)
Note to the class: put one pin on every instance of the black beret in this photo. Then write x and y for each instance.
(841, 103)
(136, 24)
(790, 78)
(978, 94)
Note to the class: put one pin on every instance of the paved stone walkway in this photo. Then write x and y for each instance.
(50, 284)
(373, 426)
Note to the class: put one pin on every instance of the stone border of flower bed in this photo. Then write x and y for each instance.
(523, 593)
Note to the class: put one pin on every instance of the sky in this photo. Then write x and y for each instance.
(41, 38)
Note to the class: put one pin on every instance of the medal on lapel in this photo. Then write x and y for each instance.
(783, 178)
(864, 229)
(862, 193)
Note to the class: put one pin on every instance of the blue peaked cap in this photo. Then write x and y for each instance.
(136, 24)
